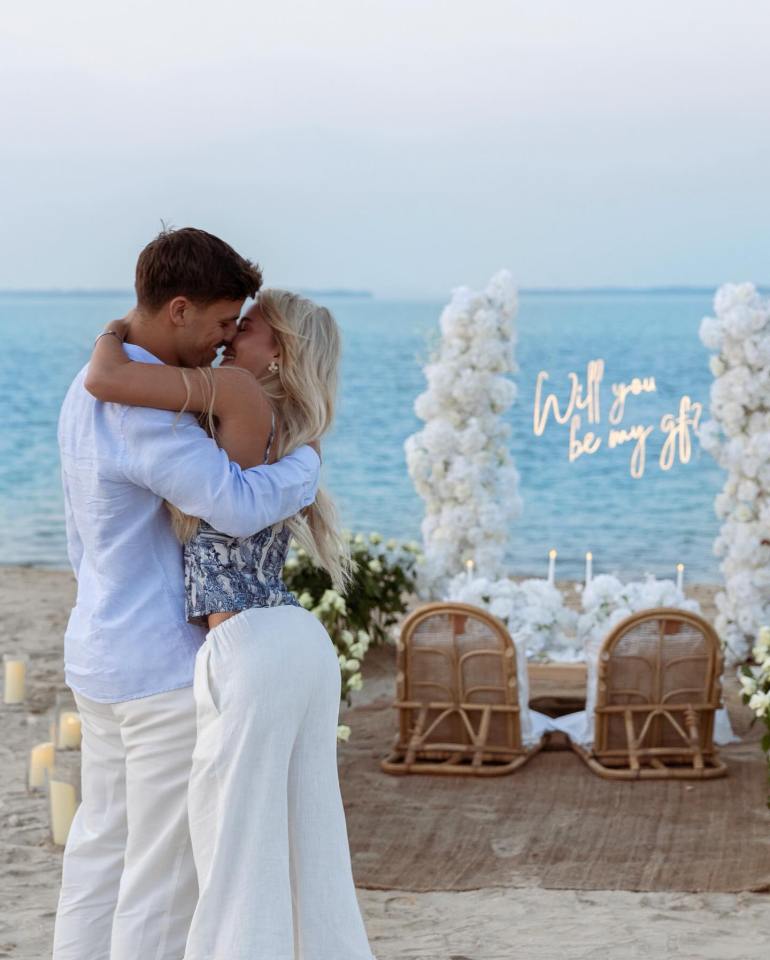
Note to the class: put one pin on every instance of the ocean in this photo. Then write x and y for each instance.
(632, 525)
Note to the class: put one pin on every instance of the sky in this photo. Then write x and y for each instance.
(401, 146)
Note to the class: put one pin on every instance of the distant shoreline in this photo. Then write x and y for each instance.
(342, 293)
(107, 292)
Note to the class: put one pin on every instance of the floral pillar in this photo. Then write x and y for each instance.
(738, 436)
(459, 462)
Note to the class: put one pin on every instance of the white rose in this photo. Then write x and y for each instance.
(717, 366)
(343, 732)
(748, 490)
(760, 703)
(501, 607)
(748, 684)
(743, 513)
(454, 322)
(711, 333)
(427, 406)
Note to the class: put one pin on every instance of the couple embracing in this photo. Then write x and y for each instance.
(211, 825)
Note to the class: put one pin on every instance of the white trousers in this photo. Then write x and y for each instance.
(128, 877)
(266, 816)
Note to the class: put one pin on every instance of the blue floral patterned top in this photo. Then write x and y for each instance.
(224, 574)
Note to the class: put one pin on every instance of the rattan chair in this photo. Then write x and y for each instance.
(457, 695)
(658, 686)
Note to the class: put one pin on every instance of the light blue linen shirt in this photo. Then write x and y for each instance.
(127, 636)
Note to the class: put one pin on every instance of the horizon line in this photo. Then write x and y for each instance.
(352, 293)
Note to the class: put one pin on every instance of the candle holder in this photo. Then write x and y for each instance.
(63, 790)
(65, 722)
(14, 678)
(40, 762)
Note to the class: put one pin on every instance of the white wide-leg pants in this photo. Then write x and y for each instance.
(128, 878)
(266, 817)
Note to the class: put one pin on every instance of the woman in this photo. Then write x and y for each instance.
(266, 818)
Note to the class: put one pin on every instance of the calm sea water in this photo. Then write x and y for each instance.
(630, 525)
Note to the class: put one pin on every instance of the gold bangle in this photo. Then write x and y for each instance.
(108, 333)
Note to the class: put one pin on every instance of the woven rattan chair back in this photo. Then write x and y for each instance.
(658, 688)
(457, 694)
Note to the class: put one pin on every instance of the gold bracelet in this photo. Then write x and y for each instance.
(108, 333)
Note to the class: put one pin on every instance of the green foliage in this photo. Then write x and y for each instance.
(383, 578)
(755, 688)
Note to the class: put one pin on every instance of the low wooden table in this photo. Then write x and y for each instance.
(557, 688)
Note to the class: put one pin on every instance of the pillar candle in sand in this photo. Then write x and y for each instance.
(69, 730)
(40, 759)
(63, 802)
(15, 675)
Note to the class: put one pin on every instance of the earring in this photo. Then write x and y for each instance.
(272, 366)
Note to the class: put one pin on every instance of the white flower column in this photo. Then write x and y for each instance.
(459, 462)
(738, 436)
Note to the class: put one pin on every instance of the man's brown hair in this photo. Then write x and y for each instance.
(194, 264)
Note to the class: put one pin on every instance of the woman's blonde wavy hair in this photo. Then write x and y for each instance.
(302, 393)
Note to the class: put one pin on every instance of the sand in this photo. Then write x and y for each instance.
(484, 924)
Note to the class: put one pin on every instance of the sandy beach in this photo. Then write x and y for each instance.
(480, 924)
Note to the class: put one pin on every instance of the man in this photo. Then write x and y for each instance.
(128, 879)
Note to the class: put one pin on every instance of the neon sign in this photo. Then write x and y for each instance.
(585, 400)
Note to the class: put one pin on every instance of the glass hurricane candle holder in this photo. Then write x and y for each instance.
(65, 723)
(39, 764)
(63, 789)
(14, 678)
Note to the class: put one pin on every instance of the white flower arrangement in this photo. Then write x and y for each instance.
(755, 679)
(606, 601)
(538, 619)
(533, 610)
(755, 685)
(738, 437)
(459, 462)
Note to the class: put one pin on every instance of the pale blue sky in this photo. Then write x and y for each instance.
(404, 146)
